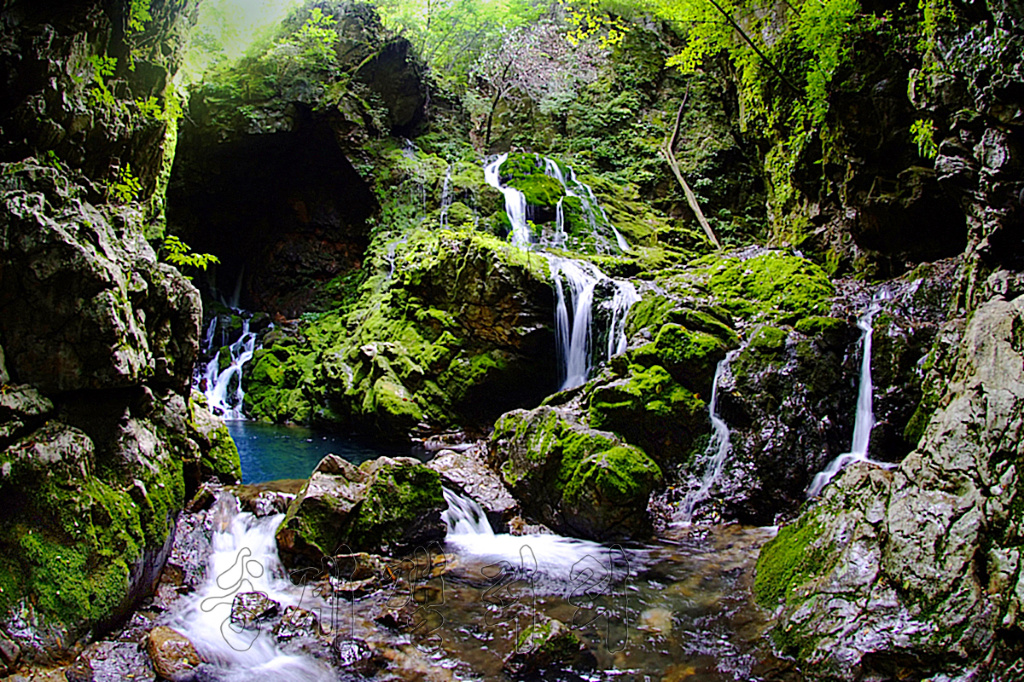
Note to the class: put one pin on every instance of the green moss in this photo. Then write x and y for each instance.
(822, 326)
(620, 476)
(790, 559)
(768, 340)
(772, 286)
(525, 172)
(397, 498)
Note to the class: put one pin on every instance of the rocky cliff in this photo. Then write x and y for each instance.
(100, 443)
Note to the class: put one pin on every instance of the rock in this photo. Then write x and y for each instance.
(467, 473)
(917, 567)
(297, 622)
(574, 479)
(9, 654)
(219, 455)
(547, 645)
(355, 655)
(107, 661)
(173, 656)
(249, 609)
(385, 503)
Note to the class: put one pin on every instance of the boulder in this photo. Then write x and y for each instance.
(918, 569)
(383, 505)
(572, 478)
(467, 472)
(173, 655)
(249, 609)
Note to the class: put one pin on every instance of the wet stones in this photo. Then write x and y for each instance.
(173, 656)
(356, 656)
(297, 622)
(249, 609)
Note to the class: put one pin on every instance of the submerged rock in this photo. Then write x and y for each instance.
(249, 609)
(382, 505)
(547, 645)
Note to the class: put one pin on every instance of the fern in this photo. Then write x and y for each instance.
(180, 254)
(126, 188)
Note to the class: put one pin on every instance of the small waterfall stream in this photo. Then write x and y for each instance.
(864, 419)
(719, 447)
(223, 391)
(558, 563)
(244, 559)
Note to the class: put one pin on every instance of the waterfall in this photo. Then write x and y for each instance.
(719, 447)
(446, 196)
(244, 559)
(515, 202)
(558, 562)
(864, 419)
(224, 393)
(573, 334)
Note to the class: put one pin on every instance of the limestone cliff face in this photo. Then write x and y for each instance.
(98, 444)
(919, 568)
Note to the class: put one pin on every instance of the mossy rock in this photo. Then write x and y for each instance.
(526, 173)
(386, 504)
(575, 479)
(772, 286)
(76, 546)
(768, 341)
(689, 356)
(609, 490)
(650, 409)
(218, 454)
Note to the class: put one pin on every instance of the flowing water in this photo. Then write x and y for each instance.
(864, 419)
(223, 388)
(718, 448)
(574, 315)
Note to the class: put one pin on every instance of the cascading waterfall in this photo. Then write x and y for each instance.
(573, 333)
(719, 447)
(244, 559)
(446, 197)
(574, 338)
(223, 389)
(515, 203)
(864, 420)
(554, 561)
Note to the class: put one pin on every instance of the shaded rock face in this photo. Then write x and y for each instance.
(384, 504)
(979, 158)
(98, 448)
(790, 397)
(264, 176)
(286, 209)
(47, 76)
(918, 568)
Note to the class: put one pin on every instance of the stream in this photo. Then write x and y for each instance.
(677, 608)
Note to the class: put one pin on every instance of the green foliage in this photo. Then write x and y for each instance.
(139, 15)
(922, 132)
(587, 21)
(180, 254)
(150, 108)
(126, 188)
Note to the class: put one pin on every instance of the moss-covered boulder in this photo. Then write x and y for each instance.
(526, 173)
(218, 457)
(575, 479)
(383, 505)
(458, 332)
(649, 408)
(549, 645)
